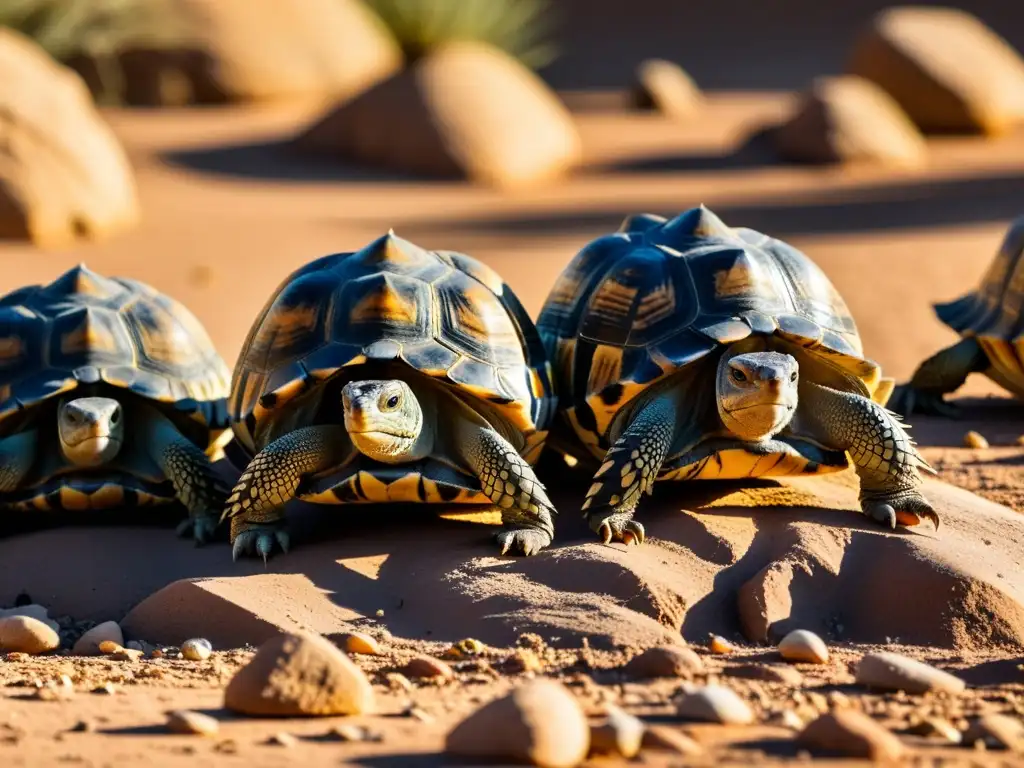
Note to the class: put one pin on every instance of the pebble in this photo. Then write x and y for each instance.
(665, 661)
(109, 646)
(299, 674)
(89, 643)
(398, 680)
(715, 704)
(127, 654)
(996, 732)
(186, 721)
(1020, 440)
(667, 739)
(23, 634)
(620, 733)
(282, 739)
(802, 645)
(358, 642)
(769, 673)
(893, 672)
(936, 726)
(538, 723)
(197, 649)
(974, 439)
(787, 718)
(428, 667)
(851, 733)
(718, 644)
(465, 649)
(107, 689)
(346, 732)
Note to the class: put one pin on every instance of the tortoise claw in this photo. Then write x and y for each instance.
(260, 540)
(202, 528)
(618, 526)
(524, 541)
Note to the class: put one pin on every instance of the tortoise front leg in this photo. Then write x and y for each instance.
(629, 470)
(939, 375)
(190, 471)
(17, 453)
(885, 457)
(256, 504)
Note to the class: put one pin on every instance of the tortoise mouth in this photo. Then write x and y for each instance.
(783, 406)
(378, 433)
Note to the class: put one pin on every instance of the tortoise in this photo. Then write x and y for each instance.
(992, 329)
(391, 374)
(684, 349)
(111, 395)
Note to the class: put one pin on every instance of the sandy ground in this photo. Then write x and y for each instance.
(228, 214)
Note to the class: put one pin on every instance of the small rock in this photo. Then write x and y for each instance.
(82, 726)
(428, 667)
(397, 680)
(89, 643)
(718, 644)
(465, 649)
(23, 634)
(188, 722)
(127, 654)
(418, 714)
(936, 726)
(358, 642)
(197, 649)
(107, 689)
(801, 645)
(787, 718)
(715, 704)
(346, 732)
(974, 439)
(282, 740)
(299, 674)
(17, 656)
(769, 673)
(109, 646)
(667, 739)
(665, 87)
(1020, 440)
(618, 734)
(61, 690)
(892, 672)
(851, 733)
(524, 660)
(665, 661)
(538, 723)
(996, 732)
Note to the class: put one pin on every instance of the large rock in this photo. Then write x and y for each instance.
(849, 119)
(63, 174)
(947, 70)
(466, 111)
(253, 50)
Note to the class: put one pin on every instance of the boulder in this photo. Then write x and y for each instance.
(848, 119)
(63, 173)
(467, 110)
(665, 87)
(946, 69)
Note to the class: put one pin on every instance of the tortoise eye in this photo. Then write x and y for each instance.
(737, 375)
(393, 401)
(792, 376)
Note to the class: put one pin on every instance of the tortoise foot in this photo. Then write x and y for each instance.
(905, 508)
(201, 528)
(618, 526)
(907, 400)
(522, 541)
(260, 540)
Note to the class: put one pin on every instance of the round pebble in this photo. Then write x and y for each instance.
(358, 642)
(196, 649)
(715, 704)
(996, 732)
(428, 667)
(109, 646)
(89, 643)
(893, 672)
(665, 661)
(718, 644)
(299, 674)
(539, 723)
(620, 733)
(851, 733)
(974, 439)
(802, 645)
(467, 648)
(23, 634)
(936, 727)
(188, 722)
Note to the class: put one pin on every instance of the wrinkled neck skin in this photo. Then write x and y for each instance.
(387, 419)
(90, 430)
(756, 393)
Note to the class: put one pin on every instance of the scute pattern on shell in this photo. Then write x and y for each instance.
(84, 328)
(636, 306)
(443, 313)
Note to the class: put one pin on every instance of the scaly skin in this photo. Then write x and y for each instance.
(629, 470)
(939, 375)
(882, 452)
(256, 504)
(17, 453)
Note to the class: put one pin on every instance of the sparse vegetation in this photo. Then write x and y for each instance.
(99, 30)
(521, 28)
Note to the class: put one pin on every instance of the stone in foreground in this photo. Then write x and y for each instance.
(23, 634)
(893, 672)
(851, 733)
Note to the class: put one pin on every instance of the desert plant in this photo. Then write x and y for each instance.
(99, 30)
(519, 27)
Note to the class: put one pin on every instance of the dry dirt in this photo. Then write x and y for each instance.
(227, 214)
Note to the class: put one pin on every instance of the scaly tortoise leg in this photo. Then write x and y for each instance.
(17, 453)
(940, 374)
(190, 471)
(629, 470)
(256, 503)
(885, 457)
(510, 483)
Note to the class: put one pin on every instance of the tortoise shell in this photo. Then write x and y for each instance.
(994, 312)
(440, 313)
(639, 305)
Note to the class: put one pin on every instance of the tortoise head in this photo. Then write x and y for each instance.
(91, 430)
(757, 393)
(383, 417)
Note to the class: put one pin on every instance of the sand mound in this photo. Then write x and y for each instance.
(803, 558)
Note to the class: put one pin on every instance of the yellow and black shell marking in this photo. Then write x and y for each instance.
(994, 312)
(88, 330)
(656, 297)
(443, 314)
